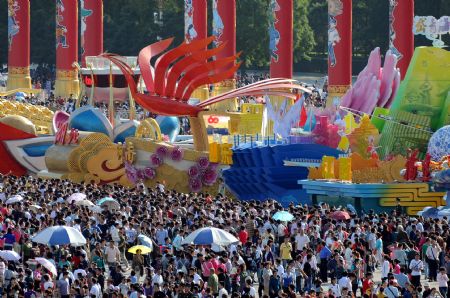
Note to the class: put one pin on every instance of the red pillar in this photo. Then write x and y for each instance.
(195, 19)
(224, 29)
(224, 26)
(91, 14)
(281, 38)
(339, 46)
(19, 44)
(401, 36)
(66, 48)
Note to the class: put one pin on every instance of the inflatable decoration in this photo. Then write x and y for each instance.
(375, 86)
(439, 144)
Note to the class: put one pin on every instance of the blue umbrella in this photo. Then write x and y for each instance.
(60, 235)
(283, 216)
(109, 202)
(209, 236)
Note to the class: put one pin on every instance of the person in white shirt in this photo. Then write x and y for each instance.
(96, 290)
(432, 253)
(112, 254)
(222, 291)
(416, 267)
(301, 240)
(334, 288)
(344, 281)
(115, 233)
(385, 267)
(442, 280)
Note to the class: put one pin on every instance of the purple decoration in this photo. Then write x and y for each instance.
(156, 160)
(213, 166)
(177, 154)
(162, 151)
(203, 162)
(149, 173)
(193, 171)
(195, 184)
(132, 177)
(209, 177)
(140, 174)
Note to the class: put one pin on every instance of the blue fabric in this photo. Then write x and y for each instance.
(204, 238)
(325, 253)
(36, 150)
(59, 237)
(9, 238)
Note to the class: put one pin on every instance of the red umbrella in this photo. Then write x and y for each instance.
(340, 215)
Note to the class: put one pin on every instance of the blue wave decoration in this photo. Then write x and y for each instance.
(90, 119)
(36, 150)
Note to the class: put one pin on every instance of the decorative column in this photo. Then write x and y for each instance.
(18, 44)
(224, 29)
(401, 36)
(281, 38)
(91, 12)
(196, 27)
(339, 49)
(66, 48)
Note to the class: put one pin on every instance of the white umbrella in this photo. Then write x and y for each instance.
(96, 209)
(9, 255)
(47, 265)
(60, 235)
(110, 203)
(85, 203)
(209, 236)
(78, 196)
(35, 208)
(14, 199)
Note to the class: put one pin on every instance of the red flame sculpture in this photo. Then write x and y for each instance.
(179, 71)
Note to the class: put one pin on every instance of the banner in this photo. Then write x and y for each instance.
(432, 28)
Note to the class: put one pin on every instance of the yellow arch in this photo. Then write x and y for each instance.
(149, 128)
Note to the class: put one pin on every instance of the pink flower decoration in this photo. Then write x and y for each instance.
(209, 177)
(213, 166)
(177, 154)
(149, 173)
(165, 138)
(203, 162)
(162, 151)
(156, 160)
(193, 171)
(195, 184)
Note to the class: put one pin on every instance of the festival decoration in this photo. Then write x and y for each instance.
(432, 28)
(18, 44)
(439, 144)
(281, 38)
(91, 28)
(339, 48)
(375, 86)
(283, 119)
(401, 37)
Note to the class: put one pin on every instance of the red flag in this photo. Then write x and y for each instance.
(303, 117)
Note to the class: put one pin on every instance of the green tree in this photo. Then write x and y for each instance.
(303, 34)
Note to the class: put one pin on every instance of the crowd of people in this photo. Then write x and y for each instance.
(318, 254)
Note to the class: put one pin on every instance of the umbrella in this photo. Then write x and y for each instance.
(340, 215)
(59, 235)
(35, 208)
(109, 202)
(14, 199)
(96, 209)
(9, 255)
(47, 265)
(78, 196)
(85, 203)
(144, 249)
(210, 235)
(145, 240)
(217, 248)
(283, 216)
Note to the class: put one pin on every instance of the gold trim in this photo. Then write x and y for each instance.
(66, 74)
(12, 70)
(338, 89)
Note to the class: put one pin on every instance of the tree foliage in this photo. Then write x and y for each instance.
(129, 25)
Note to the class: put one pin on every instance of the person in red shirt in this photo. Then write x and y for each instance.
(243, 235)
(367, 283)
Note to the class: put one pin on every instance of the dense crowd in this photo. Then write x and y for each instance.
(318, 254)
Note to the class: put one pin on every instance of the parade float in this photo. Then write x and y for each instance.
(379, 142)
